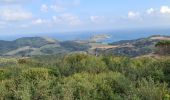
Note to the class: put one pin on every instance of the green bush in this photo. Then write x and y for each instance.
(151, 90)
(147, 67)
(86, 77)
(76, 63)
(108, 86)
(115, 63)
(35, 74)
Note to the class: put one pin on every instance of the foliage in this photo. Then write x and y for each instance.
(163, 42)
(84, 77)
(150, 90)
(163, 47)
(76, 63)
(74, 46)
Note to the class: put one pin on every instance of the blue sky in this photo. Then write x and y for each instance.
(41, 16)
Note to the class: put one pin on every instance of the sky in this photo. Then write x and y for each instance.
(45, 16)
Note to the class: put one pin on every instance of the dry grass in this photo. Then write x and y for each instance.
(160, 38)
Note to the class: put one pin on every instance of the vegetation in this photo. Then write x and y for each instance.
(28, 46)
(134, 48)
(74, 46)
(163, 42)
(163, 47)
(84, 77)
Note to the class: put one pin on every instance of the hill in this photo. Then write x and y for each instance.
(133, 48)
(38, 46)
(28, 46)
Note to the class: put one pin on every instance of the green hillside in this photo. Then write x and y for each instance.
(28, 46)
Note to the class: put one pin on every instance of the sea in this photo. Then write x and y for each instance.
(115, 35)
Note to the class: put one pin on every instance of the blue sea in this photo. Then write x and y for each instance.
(116, 35)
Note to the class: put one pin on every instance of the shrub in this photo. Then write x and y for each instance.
(76, 63)
(104, 86)
(35, 74)
(22, 61)
(147, 67)
(115, 63)
(151, 90)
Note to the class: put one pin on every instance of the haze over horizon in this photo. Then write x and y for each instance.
(24, 17)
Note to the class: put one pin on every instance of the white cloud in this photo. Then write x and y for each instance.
(64, 19)
(44, 8)
(60, 5)
(8, 1)
(67, 18)
(14, 15)
(165, 10)
(39, 21)
(132, 15)
(150, 11)
(71, 19)
(14, 1)
(57, 8)
(56, 19)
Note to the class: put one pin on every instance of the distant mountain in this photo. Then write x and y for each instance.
(38, 46)
(28, 46)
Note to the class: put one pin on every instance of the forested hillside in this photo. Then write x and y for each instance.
(29, 46)
(84, 77)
